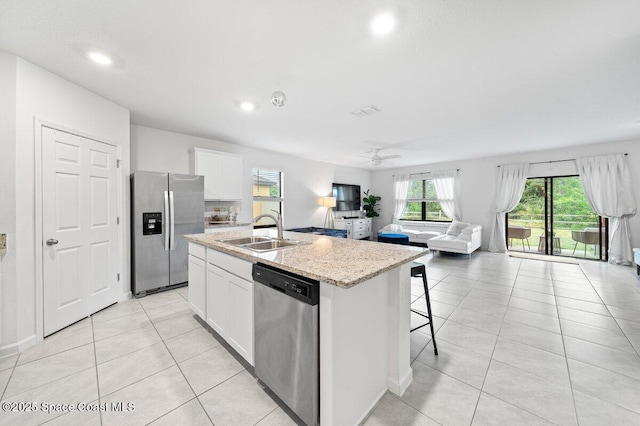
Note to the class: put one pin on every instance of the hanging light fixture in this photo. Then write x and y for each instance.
(278, 99)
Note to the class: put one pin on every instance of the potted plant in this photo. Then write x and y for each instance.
(370, 204)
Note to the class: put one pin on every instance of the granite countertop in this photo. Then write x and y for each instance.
(338, 261)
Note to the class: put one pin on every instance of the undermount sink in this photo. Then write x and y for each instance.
(261, 244)
(273, 245)
(245, 240)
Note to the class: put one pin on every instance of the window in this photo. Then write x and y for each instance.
(267, 195)
(422, 202)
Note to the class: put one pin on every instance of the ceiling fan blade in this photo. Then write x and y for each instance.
(386, 157)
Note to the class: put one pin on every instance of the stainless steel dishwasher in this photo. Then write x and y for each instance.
(286, 339)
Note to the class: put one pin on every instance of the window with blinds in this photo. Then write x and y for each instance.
(267, 195)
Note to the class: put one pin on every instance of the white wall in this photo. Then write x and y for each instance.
(305, 181)
(8, 307)
(42, 95)
(477, 180)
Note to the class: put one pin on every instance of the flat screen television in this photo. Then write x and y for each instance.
(347, 197)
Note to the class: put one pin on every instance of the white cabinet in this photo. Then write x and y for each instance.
(222, 173)
(198, 279)
(221, 293)
(240, 317)
(357, 229)
(217, 299)
(229, 300)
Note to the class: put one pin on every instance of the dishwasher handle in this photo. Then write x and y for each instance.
(281, 290)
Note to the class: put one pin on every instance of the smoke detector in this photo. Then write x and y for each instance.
(278, 99)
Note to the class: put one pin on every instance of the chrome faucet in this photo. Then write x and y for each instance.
(277, 220)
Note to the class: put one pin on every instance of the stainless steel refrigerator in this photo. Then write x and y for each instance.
(164, 207)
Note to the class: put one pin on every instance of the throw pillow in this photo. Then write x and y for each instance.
(456, 228)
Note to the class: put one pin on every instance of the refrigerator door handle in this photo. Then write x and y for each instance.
(172, 237)
(166, 221)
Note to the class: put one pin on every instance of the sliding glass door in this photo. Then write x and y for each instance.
(555, 218)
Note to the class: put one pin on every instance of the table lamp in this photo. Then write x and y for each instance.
(329, 203)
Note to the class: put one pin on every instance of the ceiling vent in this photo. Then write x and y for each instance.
(370, 110)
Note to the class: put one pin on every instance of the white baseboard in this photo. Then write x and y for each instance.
(398, 388)
(18, 347)
(371, 407)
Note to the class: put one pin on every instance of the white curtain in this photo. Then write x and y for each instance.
(401, 188)
(509, 187)
(607, 185)
(445, 184)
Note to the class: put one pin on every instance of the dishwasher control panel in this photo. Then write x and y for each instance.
(304, 289)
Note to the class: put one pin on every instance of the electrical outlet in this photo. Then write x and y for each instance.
(3, 244)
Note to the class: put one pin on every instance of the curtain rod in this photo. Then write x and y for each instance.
(557, 161)
(421, 173)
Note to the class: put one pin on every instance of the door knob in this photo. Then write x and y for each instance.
(52, 241)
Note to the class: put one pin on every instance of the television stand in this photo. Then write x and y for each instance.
(357, 228)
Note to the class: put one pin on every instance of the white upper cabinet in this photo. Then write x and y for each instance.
(222, 174)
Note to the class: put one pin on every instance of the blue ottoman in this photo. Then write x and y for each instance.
(388, 237)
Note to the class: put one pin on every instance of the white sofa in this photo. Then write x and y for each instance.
(461, 237)
(418, 232)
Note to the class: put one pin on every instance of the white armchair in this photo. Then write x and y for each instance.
(461, 237)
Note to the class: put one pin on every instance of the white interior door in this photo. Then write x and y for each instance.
(79, 224)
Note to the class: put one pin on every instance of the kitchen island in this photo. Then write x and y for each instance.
(364, 310)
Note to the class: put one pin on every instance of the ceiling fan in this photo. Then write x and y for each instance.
(377, 160)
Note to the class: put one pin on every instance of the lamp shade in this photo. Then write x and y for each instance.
(328, 201)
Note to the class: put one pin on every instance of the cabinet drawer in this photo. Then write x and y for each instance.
(198, 251)
(238, 267)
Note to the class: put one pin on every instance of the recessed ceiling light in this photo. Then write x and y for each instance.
(100, 58)
(247, 106)
(383, 24)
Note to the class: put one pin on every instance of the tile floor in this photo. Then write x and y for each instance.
(520, 342)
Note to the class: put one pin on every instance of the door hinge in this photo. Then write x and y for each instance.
(118, 163)
(118, 220)
(118, 277)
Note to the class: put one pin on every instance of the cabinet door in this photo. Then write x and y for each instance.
(231, 177)
(217, 299)
(222, 174)
(208, 165)
(240, 325)
(197, 286)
